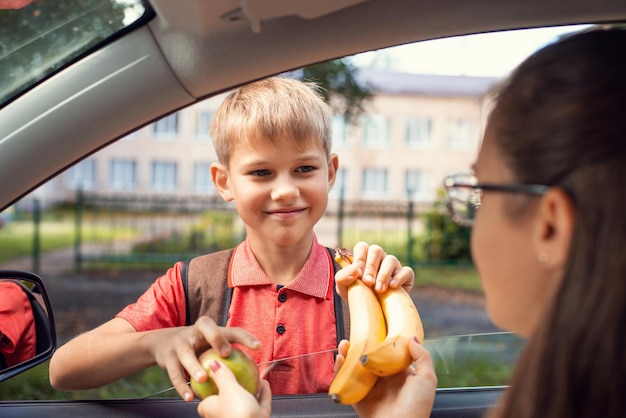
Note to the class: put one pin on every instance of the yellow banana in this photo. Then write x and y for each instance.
(403, 323)
(367, 328)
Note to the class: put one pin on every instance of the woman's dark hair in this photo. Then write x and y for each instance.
(560, 120)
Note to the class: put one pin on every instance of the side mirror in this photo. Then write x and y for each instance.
(27, 334)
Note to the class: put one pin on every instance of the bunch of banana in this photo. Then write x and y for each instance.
(380, 328)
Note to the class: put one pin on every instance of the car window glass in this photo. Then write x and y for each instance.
(118, 219)
(37, 38)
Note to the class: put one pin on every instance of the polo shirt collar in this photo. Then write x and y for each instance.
(312, 280)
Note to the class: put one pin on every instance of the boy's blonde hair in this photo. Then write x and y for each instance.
(269, 109)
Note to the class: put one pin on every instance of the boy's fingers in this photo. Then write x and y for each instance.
(220, 337)
(213, 335)
(359, 252)
(345, 277)
(179, 382)
(402, 276)
(241, 336)
(375, 257)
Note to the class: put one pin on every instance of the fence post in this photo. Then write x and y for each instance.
(78, 230)
(340, 218)
(36, 235)
(409, 238)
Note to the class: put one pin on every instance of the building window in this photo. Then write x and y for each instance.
(82, 175)
(203, 122)
(462, 135)
(340, 184)
(202, 181)
(163, 176)
(339, 127)
(375, 183)
(417, 186)
(167, 127)
(418, 132)
(123, 174)
(375, 131)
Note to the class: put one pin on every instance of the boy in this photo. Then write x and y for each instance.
(272, 138)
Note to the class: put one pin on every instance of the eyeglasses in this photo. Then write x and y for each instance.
(463, 195)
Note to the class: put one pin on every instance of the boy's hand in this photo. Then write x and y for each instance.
(376, 268)
(233, 400)
(178, 349)
(409, 393)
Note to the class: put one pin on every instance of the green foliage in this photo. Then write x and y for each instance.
(340, 86)
(35, 385)
(443, 240)
(40, 38)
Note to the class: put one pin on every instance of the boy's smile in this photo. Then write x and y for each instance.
(287, 213)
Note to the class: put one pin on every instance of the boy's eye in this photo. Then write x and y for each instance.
(260, 173)
(305, 169)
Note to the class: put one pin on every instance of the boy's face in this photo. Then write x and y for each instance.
(280, 190)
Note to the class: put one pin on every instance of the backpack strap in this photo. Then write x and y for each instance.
(205, 283)
(342, 315)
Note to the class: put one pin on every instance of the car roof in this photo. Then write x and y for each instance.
(192, 50)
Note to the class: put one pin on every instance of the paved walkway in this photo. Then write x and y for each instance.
(51, 263)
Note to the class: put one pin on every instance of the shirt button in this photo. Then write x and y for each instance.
(282, 297)
(280, 329)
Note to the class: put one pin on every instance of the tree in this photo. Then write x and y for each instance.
(41, 37)
(340, 86)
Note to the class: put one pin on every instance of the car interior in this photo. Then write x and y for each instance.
(171, 55)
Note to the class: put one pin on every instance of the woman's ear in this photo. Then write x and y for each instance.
(555, 228)
(219, 174)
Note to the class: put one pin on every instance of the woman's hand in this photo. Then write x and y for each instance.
(409, 393)
(233, 400)
(376, 269)
(177, 349)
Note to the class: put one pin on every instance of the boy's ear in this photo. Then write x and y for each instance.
(333, 166)
(219, 174)
(555, 227)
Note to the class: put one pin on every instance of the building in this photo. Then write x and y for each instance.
(417, 129)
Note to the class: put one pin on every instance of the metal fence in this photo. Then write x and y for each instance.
(118, 230)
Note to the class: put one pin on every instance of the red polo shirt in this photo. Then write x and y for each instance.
(17, 325)
(295, 319)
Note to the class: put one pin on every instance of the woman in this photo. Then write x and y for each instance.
(549, 235)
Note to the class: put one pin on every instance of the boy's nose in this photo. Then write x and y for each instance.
(285, 189)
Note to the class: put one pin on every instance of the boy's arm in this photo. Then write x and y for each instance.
(100, 356)
(115, 350)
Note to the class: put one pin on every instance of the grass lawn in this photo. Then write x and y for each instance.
(17, 237)
(460, 277)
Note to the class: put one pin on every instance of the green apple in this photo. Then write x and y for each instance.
(242, 366)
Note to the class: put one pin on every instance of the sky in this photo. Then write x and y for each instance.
(491, 54)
